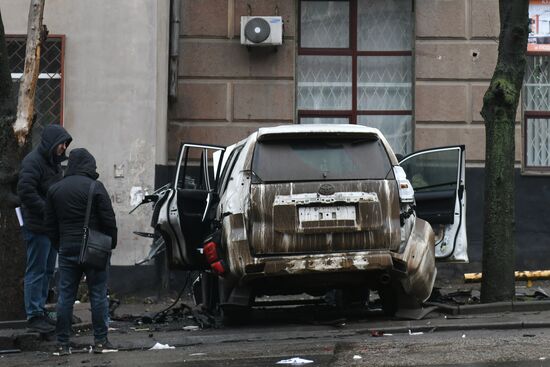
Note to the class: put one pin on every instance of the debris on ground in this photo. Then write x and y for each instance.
(415, 333)
(458, 297)
(376, 333)
(295, 361)
(160, 346)
(356, 357)
(532, 294)
(10, 351)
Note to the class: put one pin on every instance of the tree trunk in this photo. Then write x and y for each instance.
(12, 249)
(15, 125)
(27, 87)
(499, 112)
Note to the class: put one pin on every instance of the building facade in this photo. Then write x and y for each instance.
(417, 70)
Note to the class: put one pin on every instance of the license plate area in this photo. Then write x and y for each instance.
(326, 213)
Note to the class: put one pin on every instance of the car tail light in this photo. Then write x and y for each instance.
(218, 267)
(406, 191)
(210, 251)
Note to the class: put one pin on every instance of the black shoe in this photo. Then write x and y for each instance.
(104, 347)
(39, 324)
(62, 350)
(49, 319)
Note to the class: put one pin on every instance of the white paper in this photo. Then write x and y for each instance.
(295, 361)
(19, 216)
(159, 346)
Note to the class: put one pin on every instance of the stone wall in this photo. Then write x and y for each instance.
(226, 91)
(456, 52)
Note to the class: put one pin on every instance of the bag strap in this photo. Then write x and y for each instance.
(89, 206)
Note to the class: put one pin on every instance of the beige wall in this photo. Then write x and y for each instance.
(456, 52)
(114, 94)
(226, 91)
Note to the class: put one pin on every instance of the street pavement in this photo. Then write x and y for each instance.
(451, 334)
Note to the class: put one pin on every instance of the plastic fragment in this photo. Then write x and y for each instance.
(160, 346)
(356, 357)
(415, 333)
(191, 328)
(295, 361)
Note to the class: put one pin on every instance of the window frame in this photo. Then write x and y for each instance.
(61, 38)
(526, 169)
(353, 52)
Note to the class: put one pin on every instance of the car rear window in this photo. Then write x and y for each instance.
(320, 159)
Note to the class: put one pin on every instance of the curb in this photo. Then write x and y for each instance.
(483, 308)
(457, 327)
(29, 341)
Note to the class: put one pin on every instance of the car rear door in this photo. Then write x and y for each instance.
(189, 206)
(437, 176)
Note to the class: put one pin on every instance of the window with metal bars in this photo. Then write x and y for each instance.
(355, 65)
(536, 109)
(49, 89)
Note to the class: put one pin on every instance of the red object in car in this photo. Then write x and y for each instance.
(218, 267)
(210, 251)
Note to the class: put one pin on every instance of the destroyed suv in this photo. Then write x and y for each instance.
(311, 209)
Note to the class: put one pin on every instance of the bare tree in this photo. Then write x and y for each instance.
(13, 146)
(499, 112)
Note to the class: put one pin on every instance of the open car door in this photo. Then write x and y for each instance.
(185, 217)
(437, 176)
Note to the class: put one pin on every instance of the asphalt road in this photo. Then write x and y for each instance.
(339, 344)
(326, 336)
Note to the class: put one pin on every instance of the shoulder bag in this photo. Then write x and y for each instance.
(96, 246)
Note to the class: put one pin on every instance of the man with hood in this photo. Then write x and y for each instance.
(39, 170)
(65, 214)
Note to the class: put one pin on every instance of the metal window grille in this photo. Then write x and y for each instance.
(354, 65)
(49, 92)
(536, 107)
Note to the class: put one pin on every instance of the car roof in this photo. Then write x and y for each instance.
(316, 128)
(267, 133)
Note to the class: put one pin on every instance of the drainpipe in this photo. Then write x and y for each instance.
(175, 7)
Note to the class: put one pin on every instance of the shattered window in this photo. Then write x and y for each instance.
(354, 65)
(49, 91)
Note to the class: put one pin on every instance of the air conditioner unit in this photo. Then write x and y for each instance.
(261, 31)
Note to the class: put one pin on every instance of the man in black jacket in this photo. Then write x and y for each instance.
(65, 214)
(39, 170)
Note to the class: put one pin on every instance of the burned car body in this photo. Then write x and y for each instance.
(310, 208)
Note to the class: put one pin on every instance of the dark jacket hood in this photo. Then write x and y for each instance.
(81, 162)
(52, 136)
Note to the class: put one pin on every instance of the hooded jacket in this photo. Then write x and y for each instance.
(39, 170)
(66, 205)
